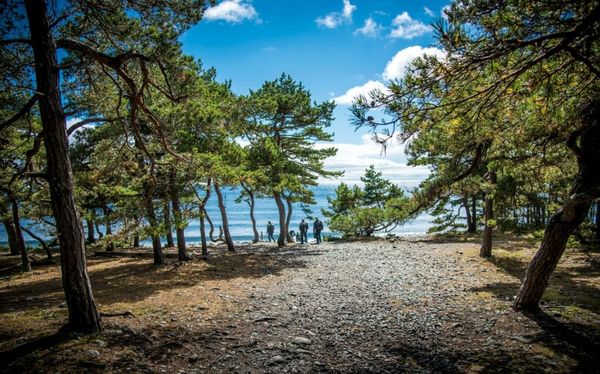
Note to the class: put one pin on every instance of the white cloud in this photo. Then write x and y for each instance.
(334, 19)
(370, 28)
(353, 159)
(405, 27)
(232, 11)
(396, 67)
(348, 9)
(351, 94)
(429, 12)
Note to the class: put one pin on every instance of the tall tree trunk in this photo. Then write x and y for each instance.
(563, 223)
(167, 222)
(10, 230)
(20, 242)
(41, 241)
(474, 212)
(282, 227)
(288, 219)
(228, 240)
(91, 237)
(83, 315)
(203, 233)
(251, 203)
(486, 246)
(159, 258)
(204, 215)
(108, 227)
(470, 223)
(179, 224)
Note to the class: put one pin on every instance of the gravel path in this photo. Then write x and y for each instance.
(373, 306)
(377, 306)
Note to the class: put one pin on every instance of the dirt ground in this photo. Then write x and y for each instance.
(381, 306)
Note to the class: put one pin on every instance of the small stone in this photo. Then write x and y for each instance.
(101, 343)
(301, 341)
(113, 331)
(276, 360)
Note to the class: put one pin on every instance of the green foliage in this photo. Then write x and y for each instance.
(379, 207)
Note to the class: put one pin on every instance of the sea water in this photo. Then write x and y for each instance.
(265, 210)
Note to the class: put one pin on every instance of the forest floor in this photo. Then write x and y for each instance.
(384, 306)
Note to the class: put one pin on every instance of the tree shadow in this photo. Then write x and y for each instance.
(127, 280)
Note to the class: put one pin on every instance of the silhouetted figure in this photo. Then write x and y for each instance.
(303, 232)
(317, 228)
(270, 231)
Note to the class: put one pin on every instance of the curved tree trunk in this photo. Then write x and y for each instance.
(288, 219)
(564, 222)
(282, 227)
(167, 223)
(486, 246)
(228, 240)
(203, 233)
(83, 315)
(9, 227)
(159, 258)
(179, 228)
(211, 231)
(41, 241)
(18, 234)
(251, 203)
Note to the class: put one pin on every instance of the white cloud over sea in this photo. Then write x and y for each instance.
(353, 159)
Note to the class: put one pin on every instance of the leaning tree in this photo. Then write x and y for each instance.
(54, 41)
(534, 63)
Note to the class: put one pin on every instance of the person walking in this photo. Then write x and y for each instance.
(317, 228)
(270, 231)
(303, 232)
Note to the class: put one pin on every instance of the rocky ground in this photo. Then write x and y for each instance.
(383, 306)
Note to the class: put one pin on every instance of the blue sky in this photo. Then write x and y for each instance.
(332, 46)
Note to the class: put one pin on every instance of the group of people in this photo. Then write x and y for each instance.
(302, 236)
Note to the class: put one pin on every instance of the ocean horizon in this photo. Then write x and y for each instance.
(240, 225)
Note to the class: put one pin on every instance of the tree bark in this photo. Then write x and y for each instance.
(203, 233)
(41, 241)
(179, 228)
(288, 219)
(282, 228)
(251, 203)
(486, 246)
(228, 240)
(20, 242)
(167, 222)
(159, 258)
(10, 231)
(474, 212)
(470, 222)
(83, 315)
(91, 237)
(563, 223)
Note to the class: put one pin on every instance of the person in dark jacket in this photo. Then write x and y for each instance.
(303, 232)
(270, 231)
(317, 228)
